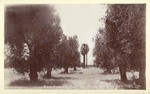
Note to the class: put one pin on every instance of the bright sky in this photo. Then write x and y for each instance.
(82, 20)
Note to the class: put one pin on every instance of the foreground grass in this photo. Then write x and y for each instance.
(27, 83)
(88, 78)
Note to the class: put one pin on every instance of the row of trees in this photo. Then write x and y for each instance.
(34, 40)
(122, 42)
(68, 53)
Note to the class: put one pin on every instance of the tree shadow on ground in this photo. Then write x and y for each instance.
(72, 72)
(128, 85)
(104, 73)
(59, 78)
(75, 72)
(41, 82)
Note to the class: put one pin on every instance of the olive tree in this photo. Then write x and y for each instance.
(37, 27)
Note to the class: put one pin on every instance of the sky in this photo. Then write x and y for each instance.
(82, 20)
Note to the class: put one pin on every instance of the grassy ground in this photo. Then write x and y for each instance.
(88, 78)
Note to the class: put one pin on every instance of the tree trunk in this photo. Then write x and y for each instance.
(33, 74)
(142, 77)
(75, 68)
(83, 61)
(49, 71)
(123, 75)
(86, 59)
(109, 71)
(66, 69)
(66, 65)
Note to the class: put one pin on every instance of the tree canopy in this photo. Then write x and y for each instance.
(122, 41)
(36, 26)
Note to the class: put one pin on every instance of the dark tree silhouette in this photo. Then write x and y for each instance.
(64, 53)
(74, 58)
(37, 27)
(122, 42)
(68, 53)
(125, 31)
(103, 54)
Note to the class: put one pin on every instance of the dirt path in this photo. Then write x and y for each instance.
(89, 78)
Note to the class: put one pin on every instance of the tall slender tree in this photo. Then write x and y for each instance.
(84, 51)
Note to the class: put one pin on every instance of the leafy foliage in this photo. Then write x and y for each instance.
(124, 38)
(84, 49)
(74, 53)
(68, 52)
(102, 53)
(37, 26)
(125, 27)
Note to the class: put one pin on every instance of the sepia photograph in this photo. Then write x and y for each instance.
(75, 46)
